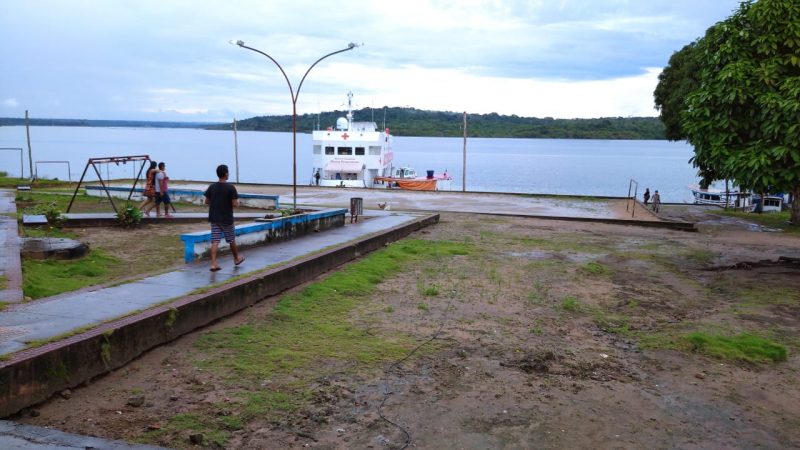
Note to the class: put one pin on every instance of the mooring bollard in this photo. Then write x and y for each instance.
(356, 208)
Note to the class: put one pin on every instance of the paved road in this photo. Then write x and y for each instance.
(442, 201)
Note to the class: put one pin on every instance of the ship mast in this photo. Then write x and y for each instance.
(349, 110)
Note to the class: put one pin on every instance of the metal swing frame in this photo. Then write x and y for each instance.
(110, 159)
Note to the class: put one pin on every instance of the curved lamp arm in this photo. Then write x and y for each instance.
(291, 91)
(350, 46)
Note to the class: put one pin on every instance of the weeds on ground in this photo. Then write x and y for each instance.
(700, 256)
(612, 323)
(305, 331)
(570, 304)
(594, 268)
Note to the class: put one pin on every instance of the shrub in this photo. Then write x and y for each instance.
(129, 216)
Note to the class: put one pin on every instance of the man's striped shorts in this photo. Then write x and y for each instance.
(218, 230)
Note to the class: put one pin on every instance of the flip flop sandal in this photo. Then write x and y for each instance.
(239, 262)
(214, 269)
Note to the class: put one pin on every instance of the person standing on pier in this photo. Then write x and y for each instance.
(221, 198)
(656, 201)
(646, 196)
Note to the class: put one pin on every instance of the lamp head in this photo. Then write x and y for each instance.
(240, 42)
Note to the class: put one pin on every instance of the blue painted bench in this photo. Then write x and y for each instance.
(263, 201)
(198, 244)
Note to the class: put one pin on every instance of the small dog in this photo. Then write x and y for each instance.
(384, 206)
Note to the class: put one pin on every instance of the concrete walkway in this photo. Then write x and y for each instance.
(10, 265)
(453, 201)
(15, 436)
(59, 315)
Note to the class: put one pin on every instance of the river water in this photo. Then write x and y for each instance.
(547, 166)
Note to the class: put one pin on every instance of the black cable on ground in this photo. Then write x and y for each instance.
(403, 359)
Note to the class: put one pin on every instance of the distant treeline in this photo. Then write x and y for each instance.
(13, 121)
(416, 122)
(413, 122)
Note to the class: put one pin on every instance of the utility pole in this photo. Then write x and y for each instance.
(28, 132)
(236, 149)
(464, 165)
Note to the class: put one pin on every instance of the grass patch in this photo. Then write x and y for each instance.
(47, 232)
(422, 306)
(741, 347)
(701, 256)
(613, 323)
(571, 304)
(308, 334)
(6, 181)
(765, 296)
(594, 268)
(777, 220)
(3, 283)
(572, 242)
(539, 294)
(51, 277)
(430, 291)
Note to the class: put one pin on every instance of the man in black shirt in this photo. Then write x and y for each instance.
(221, 198)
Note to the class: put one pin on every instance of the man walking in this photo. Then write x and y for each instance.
(221, 198)
(656, 201)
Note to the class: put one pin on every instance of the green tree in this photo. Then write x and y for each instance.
(743, 119)
(675, 83)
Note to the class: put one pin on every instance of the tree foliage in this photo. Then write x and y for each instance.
(743, 116)
(675, 83)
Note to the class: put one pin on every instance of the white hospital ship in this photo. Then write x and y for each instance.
(353, 154)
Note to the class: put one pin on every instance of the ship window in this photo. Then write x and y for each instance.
(360, 151)
(345, 150)
(329, 150)
(317, 149)
(374, 150)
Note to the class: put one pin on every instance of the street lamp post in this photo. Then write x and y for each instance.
(294, 106)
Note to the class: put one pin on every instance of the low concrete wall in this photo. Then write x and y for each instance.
(263, 201)
(32, 376)
(198, 244)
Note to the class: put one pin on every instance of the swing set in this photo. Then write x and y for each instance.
(109, 160)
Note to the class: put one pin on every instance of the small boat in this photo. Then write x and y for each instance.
(353, 154)
(771, 202)
(733, 199)
(406, 178)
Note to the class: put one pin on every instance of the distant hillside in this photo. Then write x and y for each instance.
(416, 122)
(14, 121)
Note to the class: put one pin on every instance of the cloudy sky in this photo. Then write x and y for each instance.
(172, 60)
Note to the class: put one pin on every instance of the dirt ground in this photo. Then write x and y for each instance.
(547, 335)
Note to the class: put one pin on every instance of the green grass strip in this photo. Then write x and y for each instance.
(741, 347)
(308, 335)
(51, 277)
